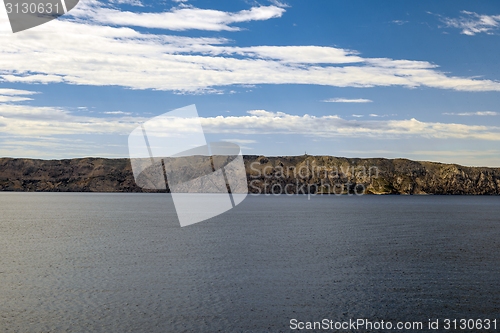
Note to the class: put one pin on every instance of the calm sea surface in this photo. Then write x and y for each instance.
(121, 262)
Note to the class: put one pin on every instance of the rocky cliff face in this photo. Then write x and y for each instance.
(75, 175)
(327, 174)
(292, 174)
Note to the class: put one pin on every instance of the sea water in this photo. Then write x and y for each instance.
(75, 262)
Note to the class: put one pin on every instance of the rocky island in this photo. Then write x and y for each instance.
(290, 174)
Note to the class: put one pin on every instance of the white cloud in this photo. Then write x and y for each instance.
(297, 54)
(347, 100)
(15, 92)
(279, 3)
(59, 147)
(117, 112)
(137, 3)
(7, 99)
(472, 23)
(240, 141)
(478, 113)
(178, 19)
(265, 122)
(24, 120)
(38, 131)
(76, 52)
(15, 95)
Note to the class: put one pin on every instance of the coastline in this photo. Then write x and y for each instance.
(304, 174)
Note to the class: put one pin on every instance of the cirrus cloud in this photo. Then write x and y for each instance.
(472, 23)
(467, 114)
(347, 100)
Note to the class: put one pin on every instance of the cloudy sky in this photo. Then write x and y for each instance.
(417, 80)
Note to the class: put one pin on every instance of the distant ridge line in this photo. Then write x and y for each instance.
(264, 174)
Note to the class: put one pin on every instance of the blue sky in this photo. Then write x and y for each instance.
(417, 80)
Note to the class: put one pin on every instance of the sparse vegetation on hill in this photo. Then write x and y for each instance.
(293, 174)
